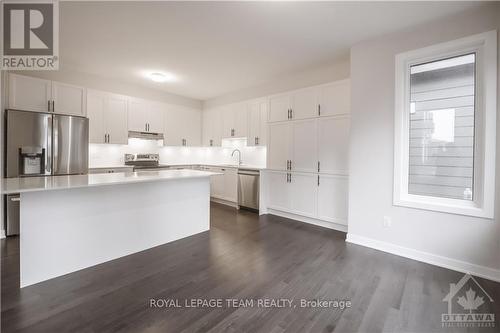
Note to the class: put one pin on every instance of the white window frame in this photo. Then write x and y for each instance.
(485, 47)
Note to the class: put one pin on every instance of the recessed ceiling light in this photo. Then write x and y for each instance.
(161, 77)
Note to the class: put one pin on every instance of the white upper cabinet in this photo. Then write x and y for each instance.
(138, 110)
(96, 106)
(182, 126)
(30, 94)
(304, 103)
(333, 198)
(68, 99)
(257, 123)
(212, 127)
(333, 145)
(279, 143)
(304, 146)
(234, 121)
(279, 107)
(145, 116)
(115, 119)
(156, 117)
(107, 117)
(335, 98)
(33, 94)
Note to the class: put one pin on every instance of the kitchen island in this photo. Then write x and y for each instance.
(68, 223)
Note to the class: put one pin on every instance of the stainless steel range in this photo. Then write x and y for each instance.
(145, 162)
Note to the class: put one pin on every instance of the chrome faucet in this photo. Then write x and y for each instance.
(239, 155)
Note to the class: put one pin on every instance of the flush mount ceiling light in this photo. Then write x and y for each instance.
(161, 77)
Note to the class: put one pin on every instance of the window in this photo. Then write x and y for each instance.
(445, 127)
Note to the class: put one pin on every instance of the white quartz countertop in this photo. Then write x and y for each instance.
(50, 183)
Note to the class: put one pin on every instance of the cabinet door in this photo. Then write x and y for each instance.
(256, 135)
(96, 104)
(212, 127)
(174, 130)
(335, 98)
(278, 107)
(333, 199)
(68, 99)
(29, 93)
(216, 183)
(240, 120)
(182, 126)
(333, 145)
(253, 123)
(305, 103)
(228, 121)
(192, 124)
(279, 194)
(206, 128)
(230, 184)
(304, 154)
(115, 119)
(279, 145)
(138, 115)
(155, 117)
(304, 193)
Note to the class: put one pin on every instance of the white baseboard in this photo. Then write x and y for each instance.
(224, 202)
(429, 258)
(310, 220)
(2, 234)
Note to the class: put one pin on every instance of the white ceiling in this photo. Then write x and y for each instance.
(219, 47)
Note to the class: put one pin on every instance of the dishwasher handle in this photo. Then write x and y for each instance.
(248, 172)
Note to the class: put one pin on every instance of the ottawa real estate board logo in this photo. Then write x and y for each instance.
(469, 305)
(30, 33)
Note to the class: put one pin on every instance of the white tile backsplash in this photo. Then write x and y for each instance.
(107, 155)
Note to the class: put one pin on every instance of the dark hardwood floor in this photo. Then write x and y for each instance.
(242, 256)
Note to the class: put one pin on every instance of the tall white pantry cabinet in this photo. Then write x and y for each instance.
(307, 157)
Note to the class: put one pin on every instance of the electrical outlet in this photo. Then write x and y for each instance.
(387, 222)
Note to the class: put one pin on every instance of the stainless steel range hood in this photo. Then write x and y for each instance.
(145, 135)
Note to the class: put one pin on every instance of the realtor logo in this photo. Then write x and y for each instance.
(468, 305)
(30, 35)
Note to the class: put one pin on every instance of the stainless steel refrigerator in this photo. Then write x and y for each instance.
(42, 144)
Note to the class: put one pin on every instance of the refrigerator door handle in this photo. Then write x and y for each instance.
(48, 153)
(55, 144)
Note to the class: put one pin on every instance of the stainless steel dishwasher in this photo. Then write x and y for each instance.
(248, 189)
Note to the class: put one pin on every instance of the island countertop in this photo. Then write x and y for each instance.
(51, 183)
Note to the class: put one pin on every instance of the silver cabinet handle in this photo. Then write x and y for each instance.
(48, 105)
(146, 127)
(318, 166)
(291, 113)
(290, 164)
(211, 142)
(319, 109)
(53, 106)
(318, 180)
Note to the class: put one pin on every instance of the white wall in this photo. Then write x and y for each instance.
(460, 242)
(323, 74)
(106, 155)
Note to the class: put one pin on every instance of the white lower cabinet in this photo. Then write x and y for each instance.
(333, 198)
(304, 194)
(224, 186)
(279, 196)
(322, 197)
